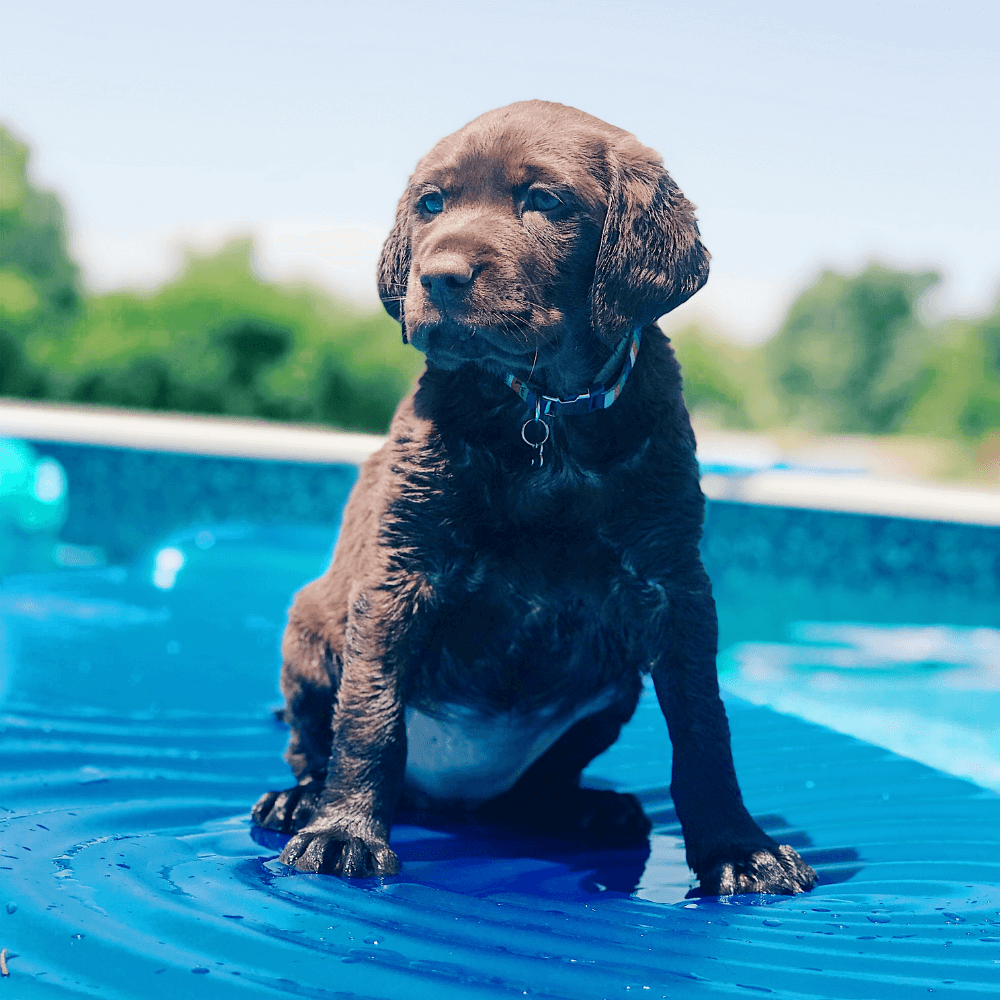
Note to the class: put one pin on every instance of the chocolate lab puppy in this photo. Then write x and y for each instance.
(525, 546)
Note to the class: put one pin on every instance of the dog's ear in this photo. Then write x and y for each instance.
(651, 257)
(394, 264)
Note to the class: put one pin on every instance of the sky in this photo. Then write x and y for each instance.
(811, 136)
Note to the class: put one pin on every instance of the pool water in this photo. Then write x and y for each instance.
(136, 732)
(931, 692)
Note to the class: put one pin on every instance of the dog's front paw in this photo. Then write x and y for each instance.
(289, 810)
(333, 850)
(777, 870)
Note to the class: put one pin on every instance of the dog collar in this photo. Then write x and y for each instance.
(597, 397)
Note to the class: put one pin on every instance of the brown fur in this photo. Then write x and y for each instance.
(470, 583)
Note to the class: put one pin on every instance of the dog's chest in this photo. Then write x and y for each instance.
(528, 635)
(511, 633)
(463, 757)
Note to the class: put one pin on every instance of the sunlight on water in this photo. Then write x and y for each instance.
(930, 692)
(168, 564)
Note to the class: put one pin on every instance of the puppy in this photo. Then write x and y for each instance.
(525, 546)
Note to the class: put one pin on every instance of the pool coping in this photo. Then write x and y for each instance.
(144, 430)
(268, 440)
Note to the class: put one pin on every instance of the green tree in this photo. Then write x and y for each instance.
(219, 339)
(38, 280)
(850, 354)
(722, 381)
(960, 382)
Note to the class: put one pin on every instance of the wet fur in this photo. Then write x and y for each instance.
(465, 577)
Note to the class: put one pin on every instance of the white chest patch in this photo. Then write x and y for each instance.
(464, 758)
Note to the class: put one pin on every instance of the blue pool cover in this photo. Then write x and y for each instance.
(135, 735)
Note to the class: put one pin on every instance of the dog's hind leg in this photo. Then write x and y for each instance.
(548, 798)
(310, 677)
(308, 750)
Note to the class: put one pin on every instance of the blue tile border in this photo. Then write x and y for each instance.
(123, 499)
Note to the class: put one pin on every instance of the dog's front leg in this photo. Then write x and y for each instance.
(349, 830)
(726, 849)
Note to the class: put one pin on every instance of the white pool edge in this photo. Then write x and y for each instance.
(859, 494)
(175, 432)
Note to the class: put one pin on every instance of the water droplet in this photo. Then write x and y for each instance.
(879, 918)
(12, 907)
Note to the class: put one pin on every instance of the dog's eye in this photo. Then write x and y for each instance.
(431, 203)
(540, 200)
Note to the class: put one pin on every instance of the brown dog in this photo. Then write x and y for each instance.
(512, 562)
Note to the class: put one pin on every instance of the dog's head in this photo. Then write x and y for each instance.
(531, 226)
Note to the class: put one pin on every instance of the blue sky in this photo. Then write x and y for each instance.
(809, 135)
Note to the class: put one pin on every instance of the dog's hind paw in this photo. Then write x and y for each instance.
(777, 870)
(335, 852)
(289, 810)
(604, 817)
(594, 816)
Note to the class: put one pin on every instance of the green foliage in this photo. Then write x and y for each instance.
(722, 381)
(221, 340)
(848, 356)
(854, 357)
(216, 340)
(851, 356)
(960, 382)
(33, 234)
(38, 280)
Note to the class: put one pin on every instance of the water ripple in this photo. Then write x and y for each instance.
(130, 869)
(148, 883)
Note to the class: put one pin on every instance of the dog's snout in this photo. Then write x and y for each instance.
(446, 275)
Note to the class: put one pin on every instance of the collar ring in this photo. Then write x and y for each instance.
(524, 432)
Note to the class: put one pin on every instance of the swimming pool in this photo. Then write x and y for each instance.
(136, 734)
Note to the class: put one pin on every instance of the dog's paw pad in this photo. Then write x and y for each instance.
(779, 870)
(334, 852)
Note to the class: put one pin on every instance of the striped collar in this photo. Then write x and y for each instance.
(597, 397)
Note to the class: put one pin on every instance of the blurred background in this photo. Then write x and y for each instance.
(193, 196)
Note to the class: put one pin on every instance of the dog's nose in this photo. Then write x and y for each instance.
(445, 276)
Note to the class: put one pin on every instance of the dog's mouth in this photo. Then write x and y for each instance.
(450, 345)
